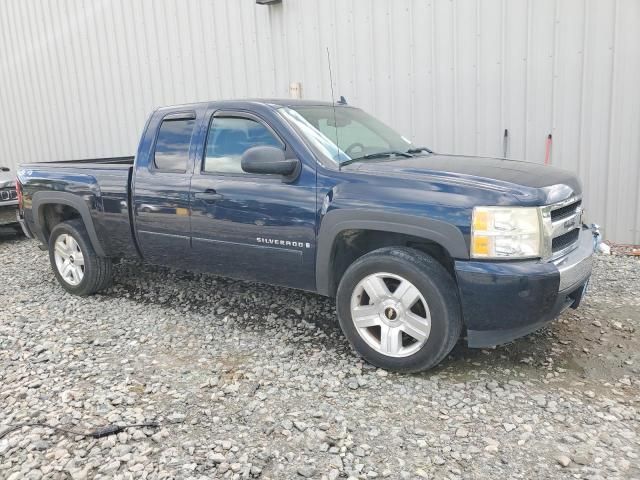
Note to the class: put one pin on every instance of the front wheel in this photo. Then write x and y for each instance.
(399, 309)
(75, 263)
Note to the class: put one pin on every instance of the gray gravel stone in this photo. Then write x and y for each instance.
(306, 471)
(509, 426)
(217, 457)
(254, 381)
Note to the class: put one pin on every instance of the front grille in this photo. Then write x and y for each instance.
(8, 194)
(563, 241)
(564, 212)
(566, 222)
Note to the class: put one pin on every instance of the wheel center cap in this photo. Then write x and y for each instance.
(390, 313)
(71, 259)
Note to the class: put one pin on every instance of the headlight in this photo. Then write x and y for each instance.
(506, 232)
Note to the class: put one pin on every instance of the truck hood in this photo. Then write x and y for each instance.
(523, 179)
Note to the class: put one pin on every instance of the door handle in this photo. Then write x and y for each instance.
(208, 196)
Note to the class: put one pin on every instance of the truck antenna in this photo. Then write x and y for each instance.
(333, 104)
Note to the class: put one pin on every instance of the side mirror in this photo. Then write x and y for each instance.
(268, 160)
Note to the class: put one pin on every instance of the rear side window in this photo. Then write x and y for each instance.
(172, 146)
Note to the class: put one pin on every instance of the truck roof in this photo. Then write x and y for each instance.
(290, 102)
(270, 102)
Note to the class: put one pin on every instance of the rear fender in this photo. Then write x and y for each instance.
(41, 199)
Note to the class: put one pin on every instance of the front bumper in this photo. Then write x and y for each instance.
(8, 213)
(502, 301)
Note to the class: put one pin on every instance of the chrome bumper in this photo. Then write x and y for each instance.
(575, 267)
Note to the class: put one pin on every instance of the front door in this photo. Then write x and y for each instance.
(248, 226)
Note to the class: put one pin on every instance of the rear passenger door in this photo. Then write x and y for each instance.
(161, 192)
(252, 226)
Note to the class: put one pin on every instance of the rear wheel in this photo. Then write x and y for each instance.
(399, 309)
(75, 264)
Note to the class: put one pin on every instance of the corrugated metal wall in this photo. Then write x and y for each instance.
(78, 77)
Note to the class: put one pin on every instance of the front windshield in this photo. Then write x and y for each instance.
(351, 134)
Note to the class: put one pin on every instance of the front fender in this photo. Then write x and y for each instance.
(444, 234)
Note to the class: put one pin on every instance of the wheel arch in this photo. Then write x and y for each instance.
(42, 201)
(337, 223)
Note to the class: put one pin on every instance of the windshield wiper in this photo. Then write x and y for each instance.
(415, 150)
(388, 153)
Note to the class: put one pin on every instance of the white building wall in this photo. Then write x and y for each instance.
(78, 77)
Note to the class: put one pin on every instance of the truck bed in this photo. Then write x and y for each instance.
(102, 163)
(103, 184)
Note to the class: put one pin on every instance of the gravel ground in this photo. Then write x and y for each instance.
(252, 381)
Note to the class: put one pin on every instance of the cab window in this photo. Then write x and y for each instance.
(172, 145)
(229, 137)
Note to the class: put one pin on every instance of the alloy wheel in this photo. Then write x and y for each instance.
(69, 259)
(390, 314)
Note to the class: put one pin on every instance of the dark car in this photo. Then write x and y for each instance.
(418, 248)
(8, 200)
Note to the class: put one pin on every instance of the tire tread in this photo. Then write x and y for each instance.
(446, 288)
(99, 273)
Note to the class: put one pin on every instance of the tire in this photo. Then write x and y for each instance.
(72, 240)
(428, 327)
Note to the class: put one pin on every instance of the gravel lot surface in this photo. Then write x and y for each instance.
(252, 381)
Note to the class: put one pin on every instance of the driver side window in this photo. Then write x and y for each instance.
(229, 137)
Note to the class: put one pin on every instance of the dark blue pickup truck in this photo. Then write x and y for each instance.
(418, 248)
